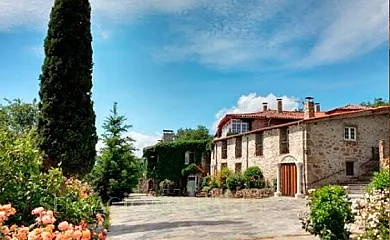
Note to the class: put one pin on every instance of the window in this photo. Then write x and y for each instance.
(284, 141)
(224, 149)
(350, 133)
(259, 143)
(223, 165)
(238, 167)
(238, 147)
(349, 168)
(235, 126)
(192, 157)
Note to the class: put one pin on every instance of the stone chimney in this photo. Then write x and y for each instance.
(317, 107)
(265, 106)
(279, 104)
(168, 135)
(309, 108)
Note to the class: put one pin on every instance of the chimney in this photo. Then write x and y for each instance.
(309, 108)
(280, 105)
(317, 107)
(168, 135)
(265, 106)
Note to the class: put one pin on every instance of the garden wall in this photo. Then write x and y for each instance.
(243, 193)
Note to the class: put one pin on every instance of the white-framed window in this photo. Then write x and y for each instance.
(350, 133)
(235, 126)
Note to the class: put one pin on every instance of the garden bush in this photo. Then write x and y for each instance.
(222, 176)
(330, 212)
(235, 182)
(209, 181)
(26, 188)
(373, 210)
(46, 227)
(380, 181)
(254, 178)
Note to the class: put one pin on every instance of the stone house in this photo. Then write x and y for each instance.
(302, 150)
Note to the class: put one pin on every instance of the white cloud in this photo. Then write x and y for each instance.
(253, 103)
(228, 34)
(141, 140)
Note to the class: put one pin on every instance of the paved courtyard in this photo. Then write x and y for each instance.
(207, 218)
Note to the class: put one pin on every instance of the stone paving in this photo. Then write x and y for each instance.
(207, 218)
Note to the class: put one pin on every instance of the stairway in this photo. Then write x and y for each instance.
(357, 186)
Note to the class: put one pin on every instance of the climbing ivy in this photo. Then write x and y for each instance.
(166, 159)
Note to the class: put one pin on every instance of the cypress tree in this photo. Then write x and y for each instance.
(66, 125)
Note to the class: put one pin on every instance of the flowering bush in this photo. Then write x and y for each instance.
(329, 214)
(45, 227)
(374, 210)
(222, 176)
(254, 178)
(235, 182)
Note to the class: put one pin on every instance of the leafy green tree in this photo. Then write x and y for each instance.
(19, 116)
(377, 103)
(118, 169)
(199, 133)
(66, 125)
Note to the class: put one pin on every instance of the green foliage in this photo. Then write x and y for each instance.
(117, 170)
(188, 134)
(254, 178)
(26, 188)
(18, 116)
(380, 181)
(209, 181)
(171, 158)
(166, 184)
(235, 182)
(190, 169)
(222, 176)
(66, 124)
(377, 103)
(329, 213)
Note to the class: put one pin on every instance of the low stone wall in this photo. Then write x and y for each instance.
(243, 193)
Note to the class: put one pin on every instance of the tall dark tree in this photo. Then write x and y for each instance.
(66, 125)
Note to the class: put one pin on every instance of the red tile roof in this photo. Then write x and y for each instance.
(320, 116)
(347, 108)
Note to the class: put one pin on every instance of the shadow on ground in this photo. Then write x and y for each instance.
(124, 229)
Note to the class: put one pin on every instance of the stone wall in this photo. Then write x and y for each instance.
(328, 152)
(384, 153)
(271, 153)
(243, 193)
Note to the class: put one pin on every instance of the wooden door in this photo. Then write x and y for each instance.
(288, 179)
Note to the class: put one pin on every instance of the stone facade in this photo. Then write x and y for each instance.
(328, 152)
(271, 152)
(317, 147)
(384, 153)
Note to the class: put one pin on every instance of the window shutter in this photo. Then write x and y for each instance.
(187, 158)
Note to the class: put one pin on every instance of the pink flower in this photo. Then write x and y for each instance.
(50, 213)
(47, 220)
(38, 211)
(47, 236)
(5, 230)
(63, 226)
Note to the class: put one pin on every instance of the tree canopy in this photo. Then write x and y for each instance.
(189, 134)
(19, 116)
(66, 124)
(376, 103)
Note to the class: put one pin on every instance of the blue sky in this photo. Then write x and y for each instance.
(181, 63)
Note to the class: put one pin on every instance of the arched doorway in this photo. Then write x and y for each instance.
(288, 180)
(289, 177)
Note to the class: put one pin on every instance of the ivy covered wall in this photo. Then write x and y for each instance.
(166, 160)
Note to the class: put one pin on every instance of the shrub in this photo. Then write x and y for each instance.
(222, 176)
(26, 188)
(380, 181)
(254, 178)
(45, 227)
(235, 182)
(329, 213)
(373, 210)
(190, 169)
(166, 184)
(209, 181)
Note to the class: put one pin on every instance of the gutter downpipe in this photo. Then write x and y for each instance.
(304, 146)
(247, 152)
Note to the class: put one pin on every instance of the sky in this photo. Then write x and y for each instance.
(182, 63)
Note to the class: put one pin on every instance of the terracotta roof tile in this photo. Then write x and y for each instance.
(348, 108)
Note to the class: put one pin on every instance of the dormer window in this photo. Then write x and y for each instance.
(235, 126)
